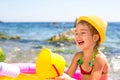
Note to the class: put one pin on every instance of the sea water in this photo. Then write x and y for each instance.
(33, 30)
(33, 37)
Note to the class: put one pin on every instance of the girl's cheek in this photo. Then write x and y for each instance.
(76, 36)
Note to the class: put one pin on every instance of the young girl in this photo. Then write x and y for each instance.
(89, 34)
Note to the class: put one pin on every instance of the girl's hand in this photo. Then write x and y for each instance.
(64, 77)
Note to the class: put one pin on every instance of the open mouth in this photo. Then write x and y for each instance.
(81, 42)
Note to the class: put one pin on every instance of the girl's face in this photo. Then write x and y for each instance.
(83, 37)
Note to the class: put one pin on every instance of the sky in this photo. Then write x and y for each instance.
(57, 10)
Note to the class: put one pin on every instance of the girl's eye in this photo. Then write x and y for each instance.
(82, 32)
(76, 33)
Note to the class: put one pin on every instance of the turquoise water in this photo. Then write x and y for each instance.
(41, 31)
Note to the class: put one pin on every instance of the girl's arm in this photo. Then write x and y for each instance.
(74, 64)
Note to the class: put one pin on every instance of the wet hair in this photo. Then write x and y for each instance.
(92, 30)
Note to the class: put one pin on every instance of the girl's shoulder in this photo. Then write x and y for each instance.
(101, 60)
(100, 57)
(77, 56)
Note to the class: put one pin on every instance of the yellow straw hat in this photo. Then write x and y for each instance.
(97, 23)
(49, 65)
